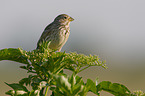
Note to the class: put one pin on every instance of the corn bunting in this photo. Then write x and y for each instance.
(57, 32)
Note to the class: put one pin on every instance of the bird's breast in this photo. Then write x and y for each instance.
(60, 38)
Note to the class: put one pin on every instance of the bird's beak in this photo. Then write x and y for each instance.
(71, 19)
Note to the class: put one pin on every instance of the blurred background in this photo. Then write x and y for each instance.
(112, 29)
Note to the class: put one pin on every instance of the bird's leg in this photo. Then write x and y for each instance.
(59, 50)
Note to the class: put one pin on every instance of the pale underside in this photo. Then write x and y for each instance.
(57, 40)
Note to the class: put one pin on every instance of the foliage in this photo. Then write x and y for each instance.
(45, 68)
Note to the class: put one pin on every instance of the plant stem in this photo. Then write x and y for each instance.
(84, 68)
(46, 90)
(41, 92)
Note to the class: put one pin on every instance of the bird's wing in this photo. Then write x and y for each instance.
(47, 31)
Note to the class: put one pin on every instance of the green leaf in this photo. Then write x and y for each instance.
(26, 81)
(58, 64)
(45, 72)
(17, 86)
(72, 80)
(21, 93)
(62, 82)
(43, 84)
(91, 86)
(76, 85)
(10, 92)
(79, 80)
(77, 88)
(34, 93)
(36, 83)
(113, 88)
(19, 90)
(17, 93)
(13, 55)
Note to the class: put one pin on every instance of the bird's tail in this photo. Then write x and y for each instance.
(38, 45)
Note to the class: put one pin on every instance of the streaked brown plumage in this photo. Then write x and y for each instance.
(57, 32)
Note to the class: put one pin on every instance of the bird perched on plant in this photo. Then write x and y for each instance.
(56, 32)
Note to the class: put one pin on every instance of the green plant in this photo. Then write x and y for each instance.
(45, 68)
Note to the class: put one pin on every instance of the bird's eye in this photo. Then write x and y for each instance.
(65, 17)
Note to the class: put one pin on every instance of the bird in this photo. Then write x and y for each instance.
(56, 32)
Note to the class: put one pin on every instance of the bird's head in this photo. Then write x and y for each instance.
(63, 19)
